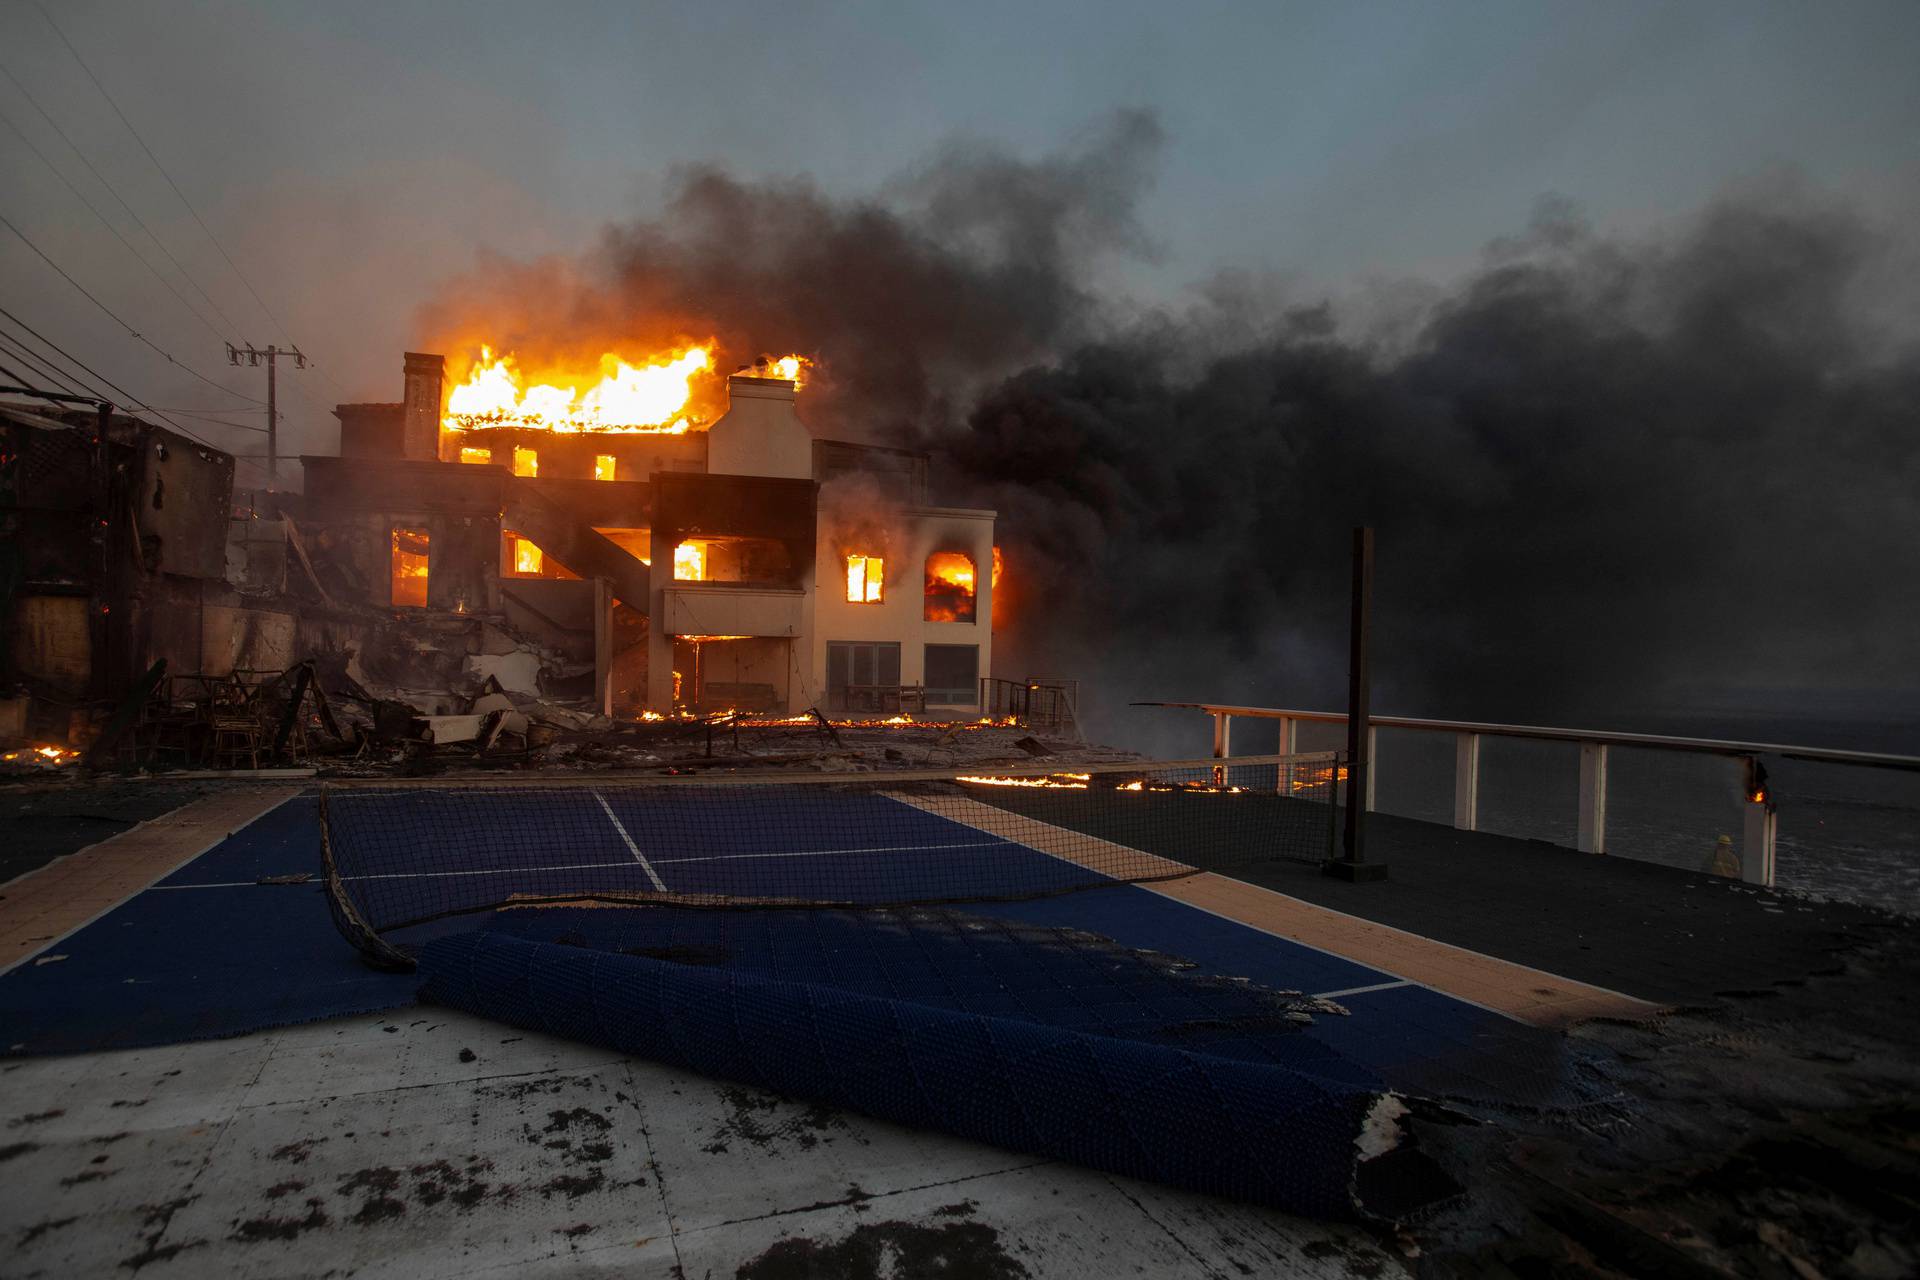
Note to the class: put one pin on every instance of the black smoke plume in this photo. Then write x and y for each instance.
(1605, 471)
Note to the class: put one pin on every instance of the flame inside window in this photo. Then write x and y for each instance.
(950, 587)
(481, 456)
(603, 466)
(526, 462)
(865, 578)
(690, 562)
(410, 567)
(526, 556)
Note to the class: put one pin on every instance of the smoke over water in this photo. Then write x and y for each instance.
(1605, 472)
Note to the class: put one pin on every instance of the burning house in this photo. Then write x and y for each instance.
(673, 564)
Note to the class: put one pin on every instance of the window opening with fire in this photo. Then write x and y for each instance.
(409, 567)
(757, 561)
(522, 558)
(866, 579)
(950, 587)
(603, 466)
(526, 462)
(470, 454)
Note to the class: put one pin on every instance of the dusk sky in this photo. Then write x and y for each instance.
(350, 157)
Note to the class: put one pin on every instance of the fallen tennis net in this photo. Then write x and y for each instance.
(400, 855)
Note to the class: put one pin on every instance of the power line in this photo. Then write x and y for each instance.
(186, 203)
(110, 227)
(126, 397)
(135, 333)
(114, 192)
(163, 171)
(77, 378)
(203, 417)
(22, 351)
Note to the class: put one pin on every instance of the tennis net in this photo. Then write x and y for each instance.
(401, 855)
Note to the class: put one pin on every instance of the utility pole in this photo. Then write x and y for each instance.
(253, 357)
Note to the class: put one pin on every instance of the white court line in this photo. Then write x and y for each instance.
(632, 848)
(1361, 991)
(820, 853)
(105, 911)
(588, 866)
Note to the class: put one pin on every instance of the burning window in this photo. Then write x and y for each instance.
(469, 454)
(763, 561)
(526, 462)
(865, 578)
(527, 558)
(950, 588)
(603, 466)
(409, 567)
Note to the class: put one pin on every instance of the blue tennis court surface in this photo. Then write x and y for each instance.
(211, 951)
(773, 842)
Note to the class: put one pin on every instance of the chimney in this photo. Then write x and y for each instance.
(423, 405)
(760, 434)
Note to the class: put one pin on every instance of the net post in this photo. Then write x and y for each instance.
(1289, 745)
(1353, 864)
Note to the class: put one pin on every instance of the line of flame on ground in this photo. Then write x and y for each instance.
(40, 756)
(752, 720)
(1303, 778)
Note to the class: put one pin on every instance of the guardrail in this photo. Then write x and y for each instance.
(1759, 826)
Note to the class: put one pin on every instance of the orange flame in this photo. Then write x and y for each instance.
(865, 579)
(792, 369)
(950, 587)
(649, 397)
(690, 562)
(41, 755)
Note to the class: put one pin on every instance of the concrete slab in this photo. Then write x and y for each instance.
(447, 1145)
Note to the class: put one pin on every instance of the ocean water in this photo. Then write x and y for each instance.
(1844, 832)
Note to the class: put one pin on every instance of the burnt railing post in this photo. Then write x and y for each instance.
(1756, 846)
(1222, 744)
(1353, 864)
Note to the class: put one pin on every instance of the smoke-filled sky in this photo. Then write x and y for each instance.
(1604, 315)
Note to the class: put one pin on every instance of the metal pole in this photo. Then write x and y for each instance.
(273, 424)
(1354, 865)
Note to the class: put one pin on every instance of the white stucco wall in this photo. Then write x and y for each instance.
(913, 534)
(760, 434)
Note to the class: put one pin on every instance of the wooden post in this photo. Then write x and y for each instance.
(1373, 764)
(1592, 834)
(1289, 745)
(1222, 744)
(1466, 782)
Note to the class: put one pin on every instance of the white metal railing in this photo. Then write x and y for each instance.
(1759, 829)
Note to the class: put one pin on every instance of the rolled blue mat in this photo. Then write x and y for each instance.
(1249, 1130)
